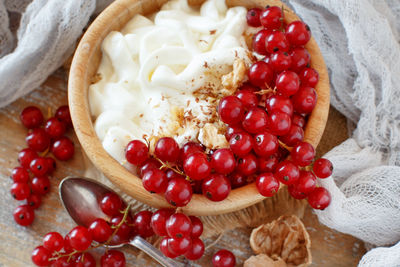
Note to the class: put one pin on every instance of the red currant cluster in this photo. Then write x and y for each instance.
(181, 236)
(39, 140)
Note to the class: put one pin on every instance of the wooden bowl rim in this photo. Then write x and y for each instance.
(79, 107)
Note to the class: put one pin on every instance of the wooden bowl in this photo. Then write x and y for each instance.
(84, 66)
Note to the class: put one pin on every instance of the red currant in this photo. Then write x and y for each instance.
(179, 246)
(136, 152)
(241, 144)
(287, 172)
(255, 120)
(307, 182)
(231, 110)
(323, 168)
(142, 223)
(159, 219)
(111, 204)
(38, 140)
(305, 100)
(267, 164)
(303, 154)
(197, 166)
(276, 41)
(319, 199)
(39, 166)
(223, 161)
(272, 17)
(278, 103)
(67, 245)
(260, 74)
(237, 180)
(259, 41)
(300, 58)
(25, 156)
(309, 77)
(54, 128)
(216, 187)
(190, 148)
(85, 260)
(279, 123)
(178, 225)
(148, 165)
(197, 227)
(298, 33)
(62, 113)
(294, 136)
(253, 17)
(248, 98)
(247, 165)
(24, 215)
(196, 251)
(63, 148)
(41, 256)
(20, 191)
(80, 238)
(34, 201)
(155, 181)
(40, 185)
(280, 61)
(164, 248)
(125, 231)
(179, 192)
(64, 262)
(295, 193)
(167, 149)
(223, 258)
(31, 117)
(20, 175)
(265, 144)
(53, 241)
(267, 184)
(287, 83)
(232, 130)
(51, 165)
(113, 258)
(100, 230)
(298, 120)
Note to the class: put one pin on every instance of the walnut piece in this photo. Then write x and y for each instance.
(262, 260)
(285, 238)
(234, 79)
(210, 137)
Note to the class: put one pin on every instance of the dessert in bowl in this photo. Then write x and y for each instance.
(136, 77)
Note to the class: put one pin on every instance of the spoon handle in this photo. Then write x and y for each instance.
(156, 254)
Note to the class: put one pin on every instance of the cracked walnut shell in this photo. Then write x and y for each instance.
(284, 238)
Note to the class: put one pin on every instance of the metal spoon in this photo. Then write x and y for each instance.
(80, 196)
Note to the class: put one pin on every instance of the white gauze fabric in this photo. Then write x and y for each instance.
(360, 42)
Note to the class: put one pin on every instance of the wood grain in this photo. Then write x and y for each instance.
(84, 67)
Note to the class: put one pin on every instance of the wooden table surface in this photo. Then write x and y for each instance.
(329, 248)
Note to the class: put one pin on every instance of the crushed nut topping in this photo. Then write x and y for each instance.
(210, 138)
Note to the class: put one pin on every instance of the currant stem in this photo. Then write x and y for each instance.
(288, 148)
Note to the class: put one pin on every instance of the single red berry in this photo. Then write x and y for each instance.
(54, 128)
(275, 42)
(63, 148)
(223, 161)
(170, 174)
(255, 120)
(259, 41)
(267, 164)
(267, 184)
(253, 17)
(223, 258)
(216, 187)
(320, 198)
(190, 148)
(298, 120)
(260, 74)
(148, 165)
(125, 231)
(279, 123)
(64, 262)
(53, 241)
(113, 258)
(300, 59)
(31, 117)
(20, 191)
(287, 172)
(241, 144)
(305, 100)
(159, 219)
(62, 113)
(40, 185)
(136, 152)
(197, 166)
(179, 192)
(232, 130)
(179, 246)
(34, 201)
(323, 168)
(38, 140)
(142, 223)
(20, 175)
(51, 165)
(25, 156)
(280, 61)
(265, 144)
(307, 182)
(197, 227)
(247, 164)
(167, 149)
(248, 98)
(67, 245)
(80, 238)
(303, 154)
(178, 225)
(298, 33)
(24, 215)
(100, 230)
(295, 193)
(287, 83)
(272, 18)
(155, 181)
(231, 110)
(85, 260)
(309, 77)
(164, 248)
(237, 180)
(294, 136)
(279, 103)
(196, 251)
(111, 204)
(39, 166)
(41, 256)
